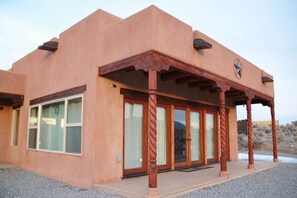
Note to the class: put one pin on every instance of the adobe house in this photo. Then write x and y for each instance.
(113, 98)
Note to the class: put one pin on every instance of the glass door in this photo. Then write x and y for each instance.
(161, 136)
(180, 144)
(195, 137)
(133, 137)
(210, 137)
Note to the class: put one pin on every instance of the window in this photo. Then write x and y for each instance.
(33, 121)
(56, 126)
(15, 127)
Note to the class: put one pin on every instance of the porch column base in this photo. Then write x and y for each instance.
(251, 166)
(275, 160)
(223, 174)
(152, 191)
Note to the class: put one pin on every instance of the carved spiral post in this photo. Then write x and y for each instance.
(275, 158)
(250, 133)
(152, 133)
(223, 134)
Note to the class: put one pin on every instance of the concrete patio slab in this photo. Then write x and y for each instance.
(174, 183)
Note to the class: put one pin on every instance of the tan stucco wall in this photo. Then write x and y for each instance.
(12, 83)
(72, 65)
(108, 134)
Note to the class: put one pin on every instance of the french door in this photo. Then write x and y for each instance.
(194, 135)
(187, 137)
(211, 136)
(135, 159)
(135, 136)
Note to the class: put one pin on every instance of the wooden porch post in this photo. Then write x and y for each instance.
(223, 160)
(275, 158)
(152, 133)
(250, 133)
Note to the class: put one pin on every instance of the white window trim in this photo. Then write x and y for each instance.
(66, 99)
(14, 128)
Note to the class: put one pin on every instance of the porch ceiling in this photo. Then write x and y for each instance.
(183, 73)
(11, 99)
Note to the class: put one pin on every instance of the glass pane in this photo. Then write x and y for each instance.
(52, 126)
(33, 117)
(210, 135)
(133, 135)
(32, 138)
(161, 136)
(15, 127)
(179, 135)
(73, 140)
(74, 110)
(195, 136)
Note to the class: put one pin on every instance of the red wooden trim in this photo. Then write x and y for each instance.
(58, 95)
(158, 61)
(152, 129)
(275, 157)
(188, 137)
(223, 159)
(250, 133)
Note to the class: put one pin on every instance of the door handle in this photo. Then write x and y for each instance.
(189, 139)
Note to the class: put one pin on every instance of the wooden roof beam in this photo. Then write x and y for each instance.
(173, 75)
(186, 79)
(200, 83)
(200, 44)
(49, 46)
(206, 87)
(266, 79)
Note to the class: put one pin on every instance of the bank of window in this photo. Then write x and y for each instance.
(56, 126)
(15, 127)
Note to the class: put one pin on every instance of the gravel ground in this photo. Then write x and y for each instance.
(280, 181)
(15, 182)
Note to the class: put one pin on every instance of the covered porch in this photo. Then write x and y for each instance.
(176, 183)
(159, 69)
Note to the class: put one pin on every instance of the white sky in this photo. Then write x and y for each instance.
(262, 31)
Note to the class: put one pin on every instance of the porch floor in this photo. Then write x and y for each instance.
(171, 184)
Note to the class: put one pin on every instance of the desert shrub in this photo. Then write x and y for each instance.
(259, 132)
(268, 131)
(262, 134)
(258, 141)
(242, 140)
(280, 138)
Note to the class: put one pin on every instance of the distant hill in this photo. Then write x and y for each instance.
(178, 125)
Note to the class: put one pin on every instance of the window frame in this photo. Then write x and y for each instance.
(39, 106)
(15, 127)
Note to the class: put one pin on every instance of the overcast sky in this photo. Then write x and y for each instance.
(262, 31)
